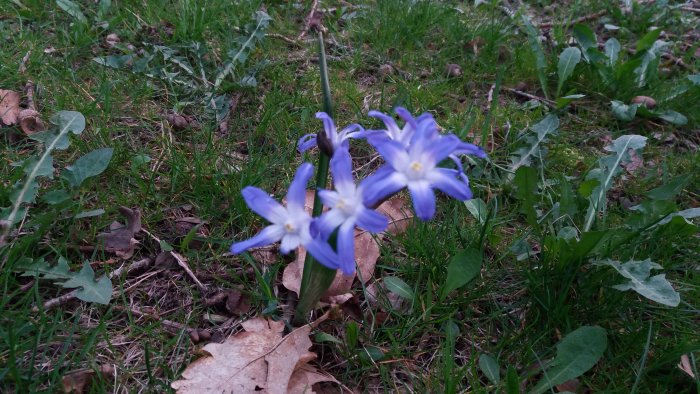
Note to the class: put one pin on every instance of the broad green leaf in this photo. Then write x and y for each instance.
(52, 138)
(115, 61)
(648, 40)
(568, 60)
(489, 366)
(512, 381)
(649, 64)
(578, 352)
(673, 117)
(477, 208)
(687, 214)
(623, 111)
(56, 197)
(92, 164)
(73, 9)
(586, 39)
(463, 268)
(323, 337)
(612, 51)
(655, 288)
(608, 168)
(523, 156)
(669, 190)
(526, 183)
(399, 287)
(89, 289)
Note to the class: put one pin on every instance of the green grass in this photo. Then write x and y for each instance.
(515, 311)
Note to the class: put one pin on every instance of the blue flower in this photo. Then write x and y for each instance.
(337, 139)
(347, 209)
(415, 167)
(290, 224)
(430, 131)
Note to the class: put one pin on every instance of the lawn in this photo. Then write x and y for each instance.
(574, 267)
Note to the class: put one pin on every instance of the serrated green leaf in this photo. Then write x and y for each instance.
(489, 366)
(542, 129)
(41, 269)
(399, 287)
(73, 9)
(623, 111)
(24, 193)
(463, 268)
(52, 138)
(586, 39)
(568, 60)
(655, 288)
(92, 164)
(40, 168)
(608, 168)
(578, 352)
(56, 197)
(68, 121)
(89, 289)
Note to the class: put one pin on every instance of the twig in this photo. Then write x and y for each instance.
(168, 323)
(582, 19)
(285, 39)
(677, 61)
(143, 263)
(180, 261)
(23, 63)
(691, 9)
(520, 93)
(311, 20)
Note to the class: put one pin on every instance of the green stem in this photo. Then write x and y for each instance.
(316, 277)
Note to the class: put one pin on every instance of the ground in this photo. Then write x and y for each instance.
(144, 75)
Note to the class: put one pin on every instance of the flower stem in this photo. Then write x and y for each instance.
(316, 277)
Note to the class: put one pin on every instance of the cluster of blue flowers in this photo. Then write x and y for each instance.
(411, 156)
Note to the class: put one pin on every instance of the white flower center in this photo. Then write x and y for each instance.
(290, 228)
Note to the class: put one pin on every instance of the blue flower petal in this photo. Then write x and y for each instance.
(306, 142)
(296, 195)
(323, 253)
(393, 152)
(437, 149)
(328, 125)
(264, 205)
(445, 180)
(268, 235)
(465, 148)
(346, 247)
(384, 182)
(328, 222)
(423, 200)
(341, 167)
(372, 221)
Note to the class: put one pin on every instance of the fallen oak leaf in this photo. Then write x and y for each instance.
(258, 360)
(79, 380)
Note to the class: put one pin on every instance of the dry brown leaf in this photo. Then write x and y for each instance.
(79, 380)
(570, 386)
(685, 366)
(257, 360)
(121, 241)
(30, 121)
(366, 250)
(9, 106)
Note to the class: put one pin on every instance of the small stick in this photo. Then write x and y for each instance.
(691, 9)
(285, 39)
(23, 64)
(582, 19)
(180, 261)
(165, 322)
(520, 93)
